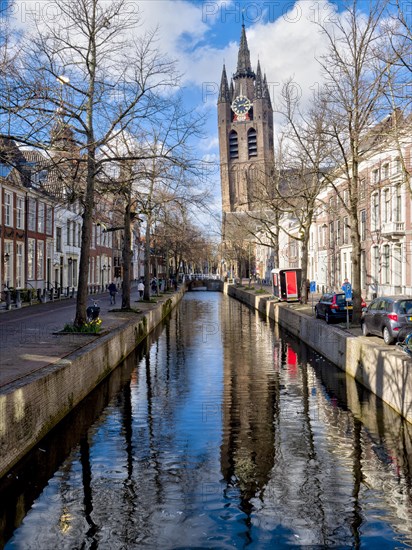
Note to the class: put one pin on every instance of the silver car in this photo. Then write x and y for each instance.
(386, 316)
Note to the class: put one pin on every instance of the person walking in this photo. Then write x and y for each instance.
(140, 288)
(112, 290)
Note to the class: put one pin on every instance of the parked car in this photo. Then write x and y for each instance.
(332, 307)
(386, 316)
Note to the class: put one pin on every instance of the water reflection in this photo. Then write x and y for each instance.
(223, 434)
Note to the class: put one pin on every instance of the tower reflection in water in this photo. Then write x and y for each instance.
(221, 433)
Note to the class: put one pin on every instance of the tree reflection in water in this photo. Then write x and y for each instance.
(220, 433)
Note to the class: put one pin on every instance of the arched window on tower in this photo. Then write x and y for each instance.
(252, 143)
(233, 145)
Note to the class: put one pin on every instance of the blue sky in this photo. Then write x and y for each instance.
(202, 35)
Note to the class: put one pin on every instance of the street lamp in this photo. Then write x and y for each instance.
(6, 257)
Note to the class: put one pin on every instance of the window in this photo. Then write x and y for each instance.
(363, 268)
(40, 259)
(398, 165)
(376, 263)
(362, 188)
(398, 204)
(58, 239)
(233, 145)
(20, 212)
(386, 206)
(385, 264)
(75, 272)
(362, 225)
(37, 178)
(345, 230)
(345, 197)
(397, 265)
(31, 248)
(338, 232)
(32, 214)
(8, 209)
(252, 143)
(375, 176)
(19, 264)
(385, 171)
(375, 211)
(79, 235)
(49, 219)
(331, 235)
(40, 218)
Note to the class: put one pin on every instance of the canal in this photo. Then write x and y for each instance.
(219, 432)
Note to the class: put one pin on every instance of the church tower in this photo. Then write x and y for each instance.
(245, 125)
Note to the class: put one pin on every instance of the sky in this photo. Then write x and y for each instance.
(202, 35)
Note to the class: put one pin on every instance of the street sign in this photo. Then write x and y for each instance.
(312, 286)
(347, 289)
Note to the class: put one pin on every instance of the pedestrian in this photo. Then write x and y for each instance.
(140, 288)
(154, 285)
(112, 290)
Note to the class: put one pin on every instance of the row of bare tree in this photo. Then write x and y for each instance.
(92, 90)
(324, 141)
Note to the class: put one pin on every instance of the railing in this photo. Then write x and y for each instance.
(392, 228)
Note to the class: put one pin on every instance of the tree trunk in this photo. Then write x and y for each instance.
(147, 260)
(82, 289)
(126, 254)
(356, 272)
(304, 265)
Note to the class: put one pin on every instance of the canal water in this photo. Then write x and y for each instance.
(219, 433)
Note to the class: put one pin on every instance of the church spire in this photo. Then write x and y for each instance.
(244, 68)
(259, 83)
(224, 94)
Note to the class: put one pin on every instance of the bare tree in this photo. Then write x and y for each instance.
(354, 79)
(304, 165)
(86, 74)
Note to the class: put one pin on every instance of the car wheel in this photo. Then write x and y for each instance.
(387, 338)
(327, 318)
(365, 331)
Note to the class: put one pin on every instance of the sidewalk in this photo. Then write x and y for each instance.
(27, 342)
(308, 309)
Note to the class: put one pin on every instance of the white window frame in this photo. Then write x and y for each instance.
(19, 212)
(31, 256)
(41, 217)
(8, 209)
(19, 264)
(40, 261)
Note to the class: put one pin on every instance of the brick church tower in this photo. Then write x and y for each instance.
(245, 125)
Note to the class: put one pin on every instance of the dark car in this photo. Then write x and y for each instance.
(387, 317)
(333, 307)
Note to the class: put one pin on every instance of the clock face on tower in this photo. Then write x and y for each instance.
(240, 106)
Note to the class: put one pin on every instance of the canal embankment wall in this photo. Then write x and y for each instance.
(31, 406)
(383, 370)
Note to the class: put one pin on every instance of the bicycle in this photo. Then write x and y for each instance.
(92, 312)
(405, 344)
